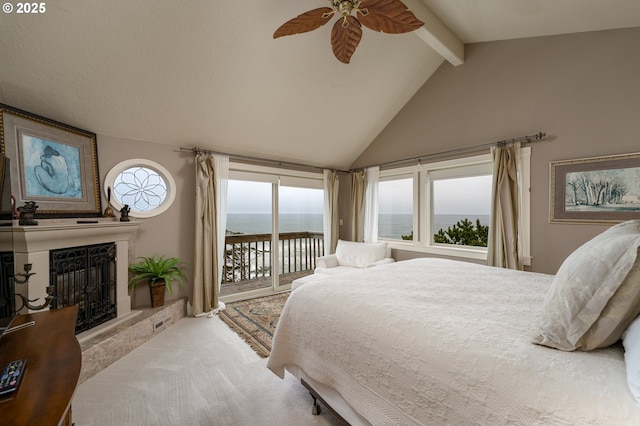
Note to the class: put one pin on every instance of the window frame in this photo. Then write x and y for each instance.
(286, 177)
(425, 173)
(479, 166)
(141, 162)
(401, 174)
(276, 177)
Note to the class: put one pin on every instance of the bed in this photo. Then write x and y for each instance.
(441, 342)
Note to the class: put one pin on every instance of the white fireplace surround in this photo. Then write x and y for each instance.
(31, 244)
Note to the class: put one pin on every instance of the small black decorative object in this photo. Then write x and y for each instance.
(26, 214)
(124, 211)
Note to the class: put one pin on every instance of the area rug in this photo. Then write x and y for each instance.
(255, 320)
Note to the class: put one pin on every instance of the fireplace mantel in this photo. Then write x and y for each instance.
(51, 236)
(31, 244)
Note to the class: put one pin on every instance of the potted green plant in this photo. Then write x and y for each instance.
(161, 272)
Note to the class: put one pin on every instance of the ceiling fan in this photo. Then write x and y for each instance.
(387, 16)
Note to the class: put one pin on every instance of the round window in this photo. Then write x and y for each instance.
(145, 186)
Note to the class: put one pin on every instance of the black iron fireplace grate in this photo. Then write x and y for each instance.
(85, 276)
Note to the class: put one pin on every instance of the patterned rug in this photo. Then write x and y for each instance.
(255, 320)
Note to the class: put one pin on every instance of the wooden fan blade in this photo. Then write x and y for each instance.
(388, 16)
(345, 38)
(305, 22)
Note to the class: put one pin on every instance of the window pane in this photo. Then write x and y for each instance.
(300, 220)
(461, 210)
(395, 211)
(301, 209)
(141, 188)
(249, 227)
(144, 185)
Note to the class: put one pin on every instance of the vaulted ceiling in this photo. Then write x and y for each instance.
(209, 74)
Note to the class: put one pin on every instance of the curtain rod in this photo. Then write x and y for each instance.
(527, 139)
(263, 161)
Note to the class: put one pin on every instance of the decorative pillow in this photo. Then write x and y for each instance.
(631, 342)
(359, 255)
(596, 293)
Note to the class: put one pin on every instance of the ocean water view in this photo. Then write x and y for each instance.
(392, 226)
(248, 223)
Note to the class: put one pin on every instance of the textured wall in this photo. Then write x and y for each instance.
(172, 232)
(582, 89)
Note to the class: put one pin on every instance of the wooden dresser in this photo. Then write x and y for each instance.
(53, 368)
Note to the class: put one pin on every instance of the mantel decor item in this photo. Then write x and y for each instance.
(27, 214)
(124, 213)
(595, 190)
(23, 278)
(160, 272)
(108, 211)
(53, 164)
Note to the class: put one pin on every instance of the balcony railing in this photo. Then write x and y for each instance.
(248, 257)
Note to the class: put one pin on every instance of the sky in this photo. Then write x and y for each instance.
(255, 197)
(451, 196)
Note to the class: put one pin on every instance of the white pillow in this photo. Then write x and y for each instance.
(359, 255)
(631, 342)
(596, 293)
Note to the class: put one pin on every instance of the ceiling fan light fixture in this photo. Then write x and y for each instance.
(387, 16)
(344, 7)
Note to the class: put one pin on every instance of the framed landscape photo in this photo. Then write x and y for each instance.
(595, 190)
(53, 164)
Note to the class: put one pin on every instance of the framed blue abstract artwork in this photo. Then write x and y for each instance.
(53, 164)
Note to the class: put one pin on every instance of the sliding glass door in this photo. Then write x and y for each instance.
(274, 232)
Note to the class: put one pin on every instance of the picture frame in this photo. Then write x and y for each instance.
(595, 190)
(51, 163)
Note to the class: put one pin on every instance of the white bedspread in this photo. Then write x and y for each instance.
(439, 342)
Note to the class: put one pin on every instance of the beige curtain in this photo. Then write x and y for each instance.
(504, 235)
(331, 219)
(211, 195)
(357, 205)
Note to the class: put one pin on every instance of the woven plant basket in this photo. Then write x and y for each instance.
(157, 290)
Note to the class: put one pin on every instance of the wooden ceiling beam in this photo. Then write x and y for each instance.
(436, 34)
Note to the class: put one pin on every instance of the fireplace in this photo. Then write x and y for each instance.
(86, 263)
(85, 276)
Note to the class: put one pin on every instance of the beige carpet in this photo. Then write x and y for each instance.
(197, 372)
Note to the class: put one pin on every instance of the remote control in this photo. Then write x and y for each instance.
(11, 376)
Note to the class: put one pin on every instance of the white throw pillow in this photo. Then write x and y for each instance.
(631, 341)
(359, 255)
(596, 293)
